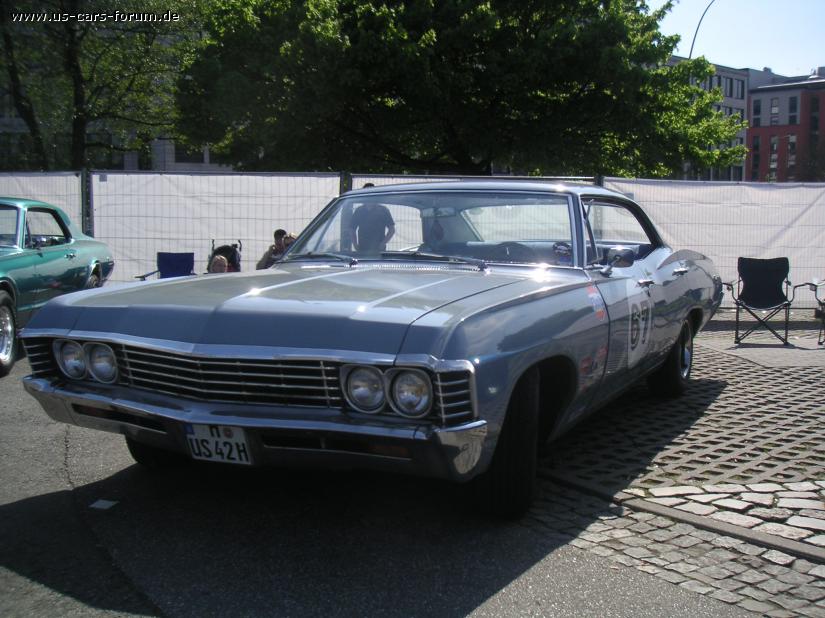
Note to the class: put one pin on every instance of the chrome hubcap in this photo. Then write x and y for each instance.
(6, 334)
(686, 356)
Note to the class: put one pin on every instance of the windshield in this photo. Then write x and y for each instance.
(493, 226)
(8, 226)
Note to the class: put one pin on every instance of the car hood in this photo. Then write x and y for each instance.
(366, 308)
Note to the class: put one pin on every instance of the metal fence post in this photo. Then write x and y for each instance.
(87, 208)
(346, 182)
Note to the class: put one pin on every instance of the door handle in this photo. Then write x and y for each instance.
(646, 283)
(680, 271)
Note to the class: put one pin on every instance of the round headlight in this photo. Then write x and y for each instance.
(365, 388)
(71, 359)
(411, 394)
(102, 362)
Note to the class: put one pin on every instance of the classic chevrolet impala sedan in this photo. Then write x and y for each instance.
(441, 329)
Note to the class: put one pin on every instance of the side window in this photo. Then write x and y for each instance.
(613, 225)
(44, 229)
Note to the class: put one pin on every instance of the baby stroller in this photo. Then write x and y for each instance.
(230, 253)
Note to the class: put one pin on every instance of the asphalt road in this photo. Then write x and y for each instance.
(210, 541)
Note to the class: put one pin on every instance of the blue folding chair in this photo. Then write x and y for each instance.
(172, 265)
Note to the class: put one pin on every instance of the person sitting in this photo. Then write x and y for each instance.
(275, 250)
(219, 264)
(371, 228)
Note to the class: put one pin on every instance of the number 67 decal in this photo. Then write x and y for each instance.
(640, 326)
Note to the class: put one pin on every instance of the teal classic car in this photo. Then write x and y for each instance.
(442, 329)
(42, 255)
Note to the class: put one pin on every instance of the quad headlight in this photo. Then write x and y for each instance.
(365, 389)
(78, 361)
(411, 393)
(408, 392)
(102, 362)
(71, 358)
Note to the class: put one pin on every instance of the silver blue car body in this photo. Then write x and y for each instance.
(405, 359)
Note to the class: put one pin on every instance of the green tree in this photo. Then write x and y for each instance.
(455, 86)
(87, 83)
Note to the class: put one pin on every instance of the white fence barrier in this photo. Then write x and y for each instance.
(726, 221)
(141, 214)
(61, 189)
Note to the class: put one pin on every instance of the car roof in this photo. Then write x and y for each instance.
(491, 185)
(21, 202)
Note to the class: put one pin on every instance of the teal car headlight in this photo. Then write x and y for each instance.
(412, 393)
(102, 362)
(70, 358)
(365, 389)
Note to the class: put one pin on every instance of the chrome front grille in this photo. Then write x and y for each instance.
(453, 395)
(39, 352)
(307, 383)
(258, 381)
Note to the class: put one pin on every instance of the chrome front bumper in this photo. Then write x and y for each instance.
(284, 436)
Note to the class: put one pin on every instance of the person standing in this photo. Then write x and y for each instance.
(372, 227)
(275, 251)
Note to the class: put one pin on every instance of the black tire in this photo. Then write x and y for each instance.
(94, 281)
(154, 458)
(672, 378)
(9, 344)
(506, 489)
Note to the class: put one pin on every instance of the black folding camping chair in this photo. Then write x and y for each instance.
(762, 286)
(172, 265)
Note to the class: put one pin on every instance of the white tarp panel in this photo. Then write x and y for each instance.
(728, 220)
(61, 189)
(141, 214)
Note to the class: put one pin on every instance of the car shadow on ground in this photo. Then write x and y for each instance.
(205, 540)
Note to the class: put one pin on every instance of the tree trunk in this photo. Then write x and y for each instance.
(80, 118)
(22, 103)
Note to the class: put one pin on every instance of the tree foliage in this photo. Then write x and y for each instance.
(85, 88)
(454, 86)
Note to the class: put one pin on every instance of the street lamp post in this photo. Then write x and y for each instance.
(690, 55)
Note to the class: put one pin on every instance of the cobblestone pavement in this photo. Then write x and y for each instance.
(747, 575)
(733, 472)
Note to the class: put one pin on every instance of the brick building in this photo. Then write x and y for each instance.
(783, 139)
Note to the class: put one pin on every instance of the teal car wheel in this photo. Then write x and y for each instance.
(8, 334)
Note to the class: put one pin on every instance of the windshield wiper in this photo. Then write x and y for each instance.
(326, 255)
(438, 257)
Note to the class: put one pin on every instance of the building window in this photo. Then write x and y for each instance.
(740, 89)
(774, 143)
(774, 120)
(756, 143)
(775, 105)
(756, 122)
(757, 107)
(792, 103)
(814, 105)
(728, 81)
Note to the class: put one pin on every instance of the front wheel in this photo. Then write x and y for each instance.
(507, 488)
(8, 334)
(671, 379)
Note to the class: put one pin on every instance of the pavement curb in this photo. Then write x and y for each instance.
(793, 548)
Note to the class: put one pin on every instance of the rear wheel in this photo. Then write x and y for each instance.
(507, 488)
(152, 457)
(671, 379)
(8, 334)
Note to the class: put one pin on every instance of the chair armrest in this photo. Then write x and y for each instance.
(731, 285)
(143, 277)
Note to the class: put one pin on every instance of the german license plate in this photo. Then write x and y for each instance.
(218, 443)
